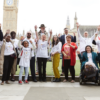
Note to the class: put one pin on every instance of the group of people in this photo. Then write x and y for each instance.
(22, 52)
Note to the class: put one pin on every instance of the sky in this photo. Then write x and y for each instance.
(53, 13)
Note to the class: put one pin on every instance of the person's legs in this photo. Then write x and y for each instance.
(21, 73)
(32, 67)
(10, 65)
(39, 66)
(12, 75)
(56, 60)
(26, 73)
(44, 68)
(37, 69)
(62, 66)
(66, 67)
(5, 68)
(72, 70)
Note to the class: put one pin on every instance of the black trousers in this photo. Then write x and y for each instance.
(32, 68)
(62, 65)
(68, 67)
(42, 61)
(8, 63)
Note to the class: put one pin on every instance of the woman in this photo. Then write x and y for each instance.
(9, 54)
(55, 53)
(42, 54)
(69, 53)
(89, 58)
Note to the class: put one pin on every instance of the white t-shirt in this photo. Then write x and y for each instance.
(25, 57)
(65, 38)
(85, 41)
(15, 42)
(42, 49)
(56, 48)
(30, 45)
(8, 49)
(89, 55)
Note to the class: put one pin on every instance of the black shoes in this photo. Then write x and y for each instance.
(13, 80)
(57, 80)
(34, 80)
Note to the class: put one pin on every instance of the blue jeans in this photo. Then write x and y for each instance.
(21, 72)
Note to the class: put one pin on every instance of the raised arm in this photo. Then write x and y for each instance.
(50, 36)
(74, 38)
(33, 44)
(1, 34)
(79, 55)
(96, 33)
(36, 32)
(78, 31)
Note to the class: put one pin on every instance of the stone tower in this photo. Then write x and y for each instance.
(10, 12)
(68, 23)
(75, 20)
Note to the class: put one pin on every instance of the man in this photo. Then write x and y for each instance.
(13, 38)
(84, 41)
(32, 61)
(63, 41)
(42, 31)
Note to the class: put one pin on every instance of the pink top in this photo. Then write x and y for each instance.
(67, 51)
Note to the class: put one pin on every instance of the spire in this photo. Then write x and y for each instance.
(23, 32)
(75, 16)
(75, 20)
(68, 21)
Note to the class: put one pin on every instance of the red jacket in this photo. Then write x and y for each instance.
(72, 52)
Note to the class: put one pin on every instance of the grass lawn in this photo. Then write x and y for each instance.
(49, 68)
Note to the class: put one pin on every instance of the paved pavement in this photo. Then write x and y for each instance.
(14, 91)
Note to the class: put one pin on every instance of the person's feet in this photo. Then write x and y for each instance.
(20, 82)
(64, 80)
(62, 74)
(72, 81)
(7, 82)
(55, 80)
(58, 80)
(34, 80)
(2, 83)
(26, 82)
(13, 80)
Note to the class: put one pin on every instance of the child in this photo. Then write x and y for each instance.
(24, 61)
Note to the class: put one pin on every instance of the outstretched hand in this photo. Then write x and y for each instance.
(35, 27)
(50, 32)
(77, 24)
(78, 52)
(74, 34)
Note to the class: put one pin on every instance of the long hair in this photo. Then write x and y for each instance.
(53, 42)
(90, 47)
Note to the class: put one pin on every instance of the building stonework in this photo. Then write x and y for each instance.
(10, 12)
